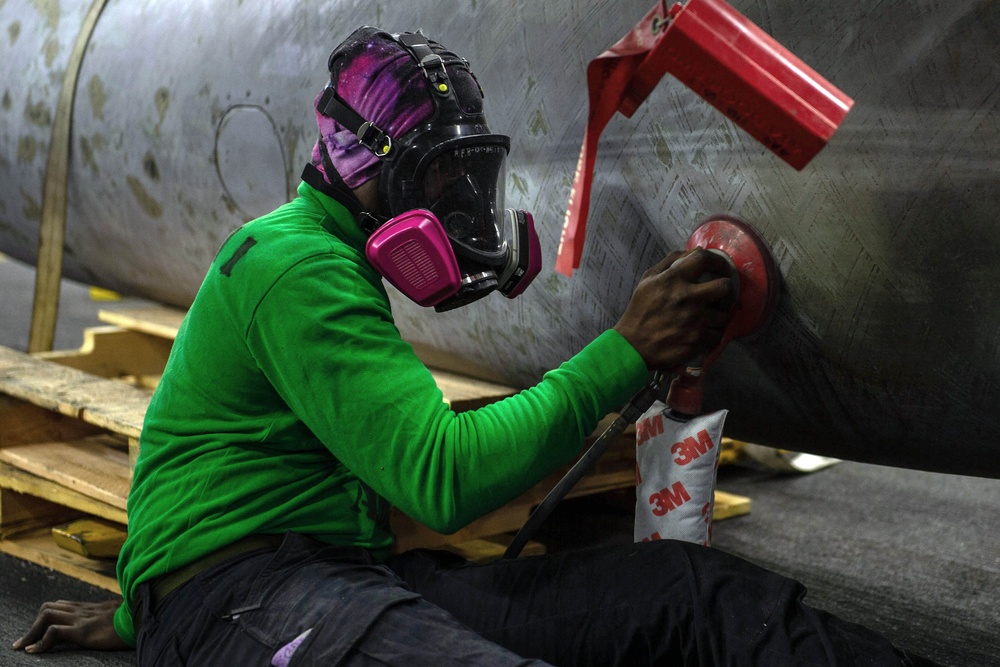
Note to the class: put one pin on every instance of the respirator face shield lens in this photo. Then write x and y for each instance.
(464, 187)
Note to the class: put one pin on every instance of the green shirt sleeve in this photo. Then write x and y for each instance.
(123, 625)
(324, 337)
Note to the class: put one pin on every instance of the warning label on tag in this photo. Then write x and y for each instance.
(676, 463)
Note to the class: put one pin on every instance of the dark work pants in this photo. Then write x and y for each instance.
(653, 603)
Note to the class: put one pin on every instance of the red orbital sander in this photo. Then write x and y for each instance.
(755, 289)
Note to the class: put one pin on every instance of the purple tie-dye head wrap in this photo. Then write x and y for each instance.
(383, 83)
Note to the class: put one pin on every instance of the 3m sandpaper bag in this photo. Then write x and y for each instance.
(676, 463)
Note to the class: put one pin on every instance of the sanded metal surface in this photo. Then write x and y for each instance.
(192, 117)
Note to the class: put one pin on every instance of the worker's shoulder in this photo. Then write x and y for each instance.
(267, 247)
(294, 240)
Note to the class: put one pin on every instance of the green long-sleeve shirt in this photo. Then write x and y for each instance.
(291, 403)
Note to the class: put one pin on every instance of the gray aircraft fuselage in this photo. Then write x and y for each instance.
(192, 117)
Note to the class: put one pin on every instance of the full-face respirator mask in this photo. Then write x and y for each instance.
(447, 240)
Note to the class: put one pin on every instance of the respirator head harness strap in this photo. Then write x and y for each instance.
(369, 136)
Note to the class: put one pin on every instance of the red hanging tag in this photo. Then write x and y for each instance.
(729, 62)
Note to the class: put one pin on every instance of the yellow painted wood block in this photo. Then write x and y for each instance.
(90, 538)
(101, 294)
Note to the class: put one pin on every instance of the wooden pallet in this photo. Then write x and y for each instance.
(67, 442)
(69, 429)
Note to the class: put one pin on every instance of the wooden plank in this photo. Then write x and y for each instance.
(605, 477)
(22, 422)
(97, 467)
(729, 505)
(411, 534)
(119, 411)
(611, 473)
(113, 352)
(162, 321)
(21, 513)
(731, 452)
(452, 363)
(22, 482)
(493, 547)
(466, 393)
(92, 399)
(133, 454)
(39, 548)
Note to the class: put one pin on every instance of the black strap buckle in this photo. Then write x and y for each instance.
(430, 63)
(369, 135)
(374, 139)
(433, 67)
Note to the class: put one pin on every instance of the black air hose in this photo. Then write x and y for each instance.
(634, 409)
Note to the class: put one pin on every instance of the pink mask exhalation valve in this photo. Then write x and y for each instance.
(728, 61)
